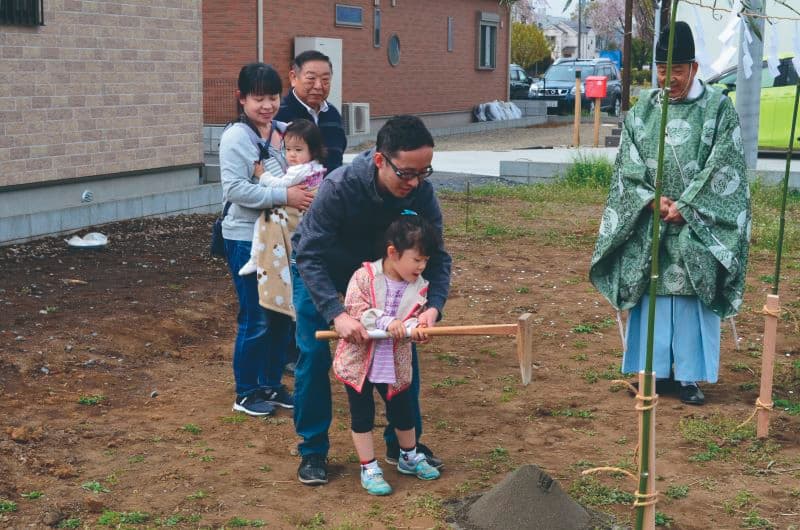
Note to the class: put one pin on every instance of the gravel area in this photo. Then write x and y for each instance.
(553, 134)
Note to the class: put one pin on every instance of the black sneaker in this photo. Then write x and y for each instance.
(254, 405)
(692, 395)
(393, 454)
(313, 470)
(279, 397)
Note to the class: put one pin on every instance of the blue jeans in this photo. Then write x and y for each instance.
(259, 352)
(312, 387)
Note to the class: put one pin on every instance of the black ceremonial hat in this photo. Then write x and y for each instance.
(683, 51)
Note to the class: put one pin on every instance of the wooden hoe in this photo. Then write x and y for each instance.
(523, 330)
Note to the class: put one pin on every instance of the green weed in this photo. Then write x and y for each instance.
(33, 495)
(197, 495)
(7, 506)
(589, 171)
(235, 419)
(677, 491)
(112, 518)
(790, 407)
(589, 491)
(192, 428)
(72, 522)
(265, 468)
(449, 382)
(754, 520)
(239, 522)
(449, 358)
(522, 290)
(136, 459)
(91, 400)
(94, 486)
(664, 520)
(317, 522)
(572, 413)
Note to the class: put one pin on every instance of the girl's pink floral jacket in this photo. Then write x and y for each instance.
(366, 292)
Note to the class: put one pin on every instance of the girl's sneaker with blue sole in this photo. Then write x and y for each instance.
(419, 466)
(372, 480)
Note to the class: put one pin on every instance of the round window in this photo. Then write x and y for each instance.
(394, 50)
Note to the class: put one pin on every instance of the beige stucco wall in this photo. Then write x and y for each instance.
(104, 87)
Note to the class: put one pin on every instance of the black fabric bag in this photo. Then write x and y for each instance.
(217, 241)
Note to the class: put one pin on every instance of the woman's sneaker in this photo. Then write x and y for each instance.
(372, 481)
(419, 466)
(254, 405)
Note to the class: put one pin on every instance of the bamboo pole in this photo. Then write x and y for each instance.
(647, 414)
(772, 309)
(576, 126)
(649, 509)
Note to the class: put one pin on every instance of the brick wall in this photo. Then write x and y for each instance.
(428, 79)
(104, 87)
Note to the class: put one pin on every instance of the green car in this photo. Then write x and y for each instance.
(777, 103)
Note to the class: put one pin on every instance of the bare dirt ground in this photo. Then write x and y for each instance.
(116, 388)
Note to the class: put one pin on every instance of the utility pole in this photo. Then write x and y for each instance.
(626, 56)
(578, 53)
(748, 91)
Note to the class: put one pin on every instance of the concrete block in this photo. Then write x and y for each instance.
(17, 227)
(177, 201)
(129, 208)
(45, 223)
(75, 218)
(104, 212)
(612, 141)
(513, 169)
(154, 205)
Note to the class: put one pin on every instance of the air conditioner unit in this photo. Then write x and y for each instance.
(356, 118)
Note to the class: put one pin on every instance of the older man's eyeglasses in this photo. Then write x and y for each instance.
(407, 174)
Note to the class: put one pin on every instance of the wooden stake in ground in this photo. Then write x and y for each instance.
(597, 121)
(772, 309)
(648, 501)
(576, 128)
(523, 330)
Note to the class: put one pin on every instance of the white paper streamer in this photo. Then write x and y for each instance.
(733, 24)
(747, 64)
(699, 42)
(724, 59)
(796, 41)
(772, 51)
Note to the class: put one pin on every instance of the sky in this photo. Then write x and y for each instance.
(712, 28)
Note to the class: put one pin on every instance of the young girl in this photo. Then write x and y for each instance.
(304, 151)
(387, 294)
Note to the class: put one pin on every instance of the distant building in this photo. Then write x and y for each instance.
(562, 35)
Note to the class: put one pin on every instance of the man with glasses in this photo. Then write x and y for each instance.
(341, 230)
(310, 78)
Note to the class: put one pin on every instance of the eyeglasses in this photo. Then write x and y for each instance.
(405, 174)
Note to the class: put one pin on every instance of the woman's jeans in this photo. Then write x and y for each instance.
(263, 336)
(312, 388)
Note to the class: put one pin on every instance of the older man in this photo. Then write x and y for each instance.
(705, 224)
(310, 78)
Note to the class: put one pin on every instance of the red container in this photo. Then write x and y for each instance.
(595, 86)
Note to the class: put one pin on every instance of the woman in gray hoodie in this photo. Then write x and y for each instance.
(262, 336)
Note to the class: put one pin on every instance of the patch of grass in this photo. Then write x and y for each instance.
(172, 520)
(580, 357)
(429, 505)
(235, 419)
(589, 171)
(589, 491)
(767, 278)
(754, 520)
(499, 454)
(136, 459)
(508, 394)
(716, 428)
(741, 367)
(449, 358)
(743, 499)
(584, 328)
(207, 458)
(712, 452)
(192, 428)
(449, 382)
(197, 495)
(316, 522)
(664, 520)
(265, 468)
(91, 400)
(73, 522)
(572, 413)
(790, 407)
(677, 491)
(117, 519)
(442, 425)
(240, 522)
(94, 486)
(522, 290)
(766, 201)
(33, 495)
(746, 387)
(7, 506)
